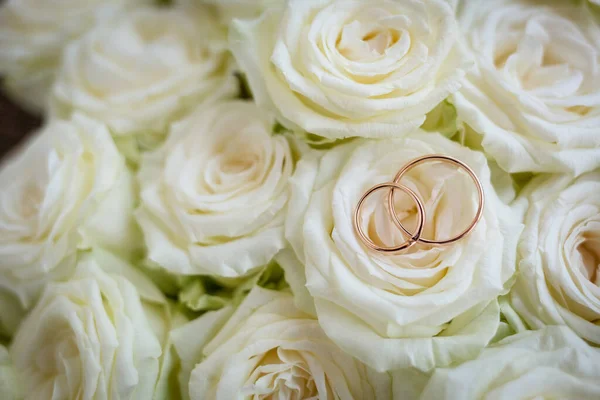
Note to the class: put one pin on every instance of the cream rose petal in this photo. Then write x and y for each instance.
(551, 363)
(350, 68)
(428, 307)
(535, 94)
(268, 347)
(162, 316)
(90, 337)
(190, 339)
(33, 34)
(559, 254)
(67, 189)
(145, 69)
(213, 196)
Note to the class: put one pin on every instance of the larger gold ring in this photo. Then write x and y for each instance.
(450, 160)
(413, 238)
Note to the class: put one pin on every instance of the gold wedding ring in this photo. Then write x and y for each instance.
(416, 237)
(412, 238)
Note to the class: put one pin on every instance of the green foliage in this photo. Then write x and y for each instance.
(205, 293)
(442, 119)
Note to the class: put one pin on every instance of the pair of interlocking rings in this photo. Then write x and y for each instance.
(416, 236)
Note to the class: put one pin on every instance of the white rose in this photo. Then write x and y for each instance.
(559, 255)
(96, 336)
(33, 34)
(145, 69)
(535, 94)
(342, 68)
(68, 189)
(426, 307)
(269, 348)
(213, 196)
(549, 364)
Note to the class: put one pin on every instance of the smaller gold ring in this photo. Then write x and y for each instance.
(413, 238)
(450, 160)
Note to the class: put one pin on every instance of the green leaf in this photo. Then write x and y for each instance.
(206, 293)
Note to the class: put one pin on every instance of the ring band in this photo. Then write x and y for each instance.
(450, 160)
(413, 238)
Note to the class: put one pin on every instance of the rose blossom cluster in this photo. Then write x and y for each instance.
(181, 226)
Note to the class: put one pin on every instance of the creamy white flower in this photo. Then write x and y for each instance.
(341, 68)
(228, 10)
(426, 307)
(33, 34)
(68, 189)
(559, 255)
(96, 336)
(270, 349)
(535, 94)
(214, 194)
(550, 364)
(145, 69)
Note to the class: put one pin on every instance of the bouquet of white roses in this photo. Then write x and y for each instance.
(302, 199)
